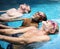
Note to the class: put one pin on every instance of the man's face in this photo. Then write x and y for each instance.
(25, 8)
(49, 26)
(36, 15)
(40, 16)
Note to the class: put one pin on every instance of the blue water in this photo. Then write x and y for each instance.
(50, 7)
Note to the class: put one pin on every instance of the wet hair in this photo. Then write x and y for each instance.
(42, 17)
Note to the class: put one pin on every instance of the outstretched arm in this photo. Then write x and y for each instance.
(24, 40)
(18, 19)
(3, 11)
(2, 19)
(14, 31)
(4, 27)
(14, 40)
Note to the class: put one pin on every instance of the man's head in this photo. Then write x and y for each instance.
(24, 8)
(39, 16)
(50, 26)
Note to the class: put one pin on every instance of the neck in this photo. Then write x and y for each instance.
(44, 31)
(35, 20)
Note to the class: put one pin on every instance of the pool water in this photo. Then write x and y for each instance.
(50, 7)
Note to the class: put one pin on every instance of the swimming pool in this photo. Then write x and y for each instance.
(52, 10)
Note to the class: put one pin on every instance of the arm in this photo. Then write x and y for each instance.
(4, 27)
(3, 11)
(13, 40)
(14, 31)
(18, 19)
(25, 40)
(2, 19)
